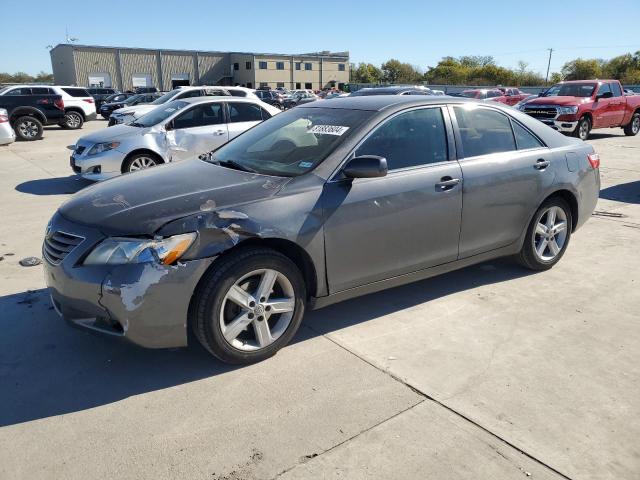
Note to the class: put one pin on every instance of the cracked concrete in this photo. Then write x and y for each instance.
(490, 372)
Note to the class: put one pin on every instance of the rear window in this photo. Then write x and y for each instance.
(76, 92)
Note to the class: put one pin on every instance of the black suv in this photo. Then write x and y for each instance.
(108, 107)
(271, 97)
(145, 90)
(31, 109)
(100, 94)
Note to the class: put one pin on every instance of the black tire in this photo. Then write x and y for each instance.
(583, 129)
(72, 120)
(28, 128)
(131, 160)
(633, 127)
(528, 256)
(210, 294)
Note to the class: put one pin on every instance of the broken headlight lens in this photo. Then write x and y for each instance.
(120, 251)
(103, 147)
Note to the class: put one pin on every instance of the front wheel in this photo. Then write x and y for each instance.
(633, 127)
(248, 306)
(139, 161)
(583, 129)
(547, 236)
(72, 121)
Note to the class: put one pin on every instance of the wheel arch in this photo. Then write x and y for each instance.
(77, 110)
(571, 200)
(26, 111)
(148, 151)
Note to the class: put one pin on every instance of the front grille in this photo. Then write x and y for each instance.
(58, 245)
(546, 113)
(80, 149)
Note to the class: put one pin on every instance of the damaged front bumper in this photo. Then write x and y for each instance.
(145, 303)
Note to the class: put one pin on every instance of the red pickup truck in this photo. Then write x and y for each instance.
(579, 106)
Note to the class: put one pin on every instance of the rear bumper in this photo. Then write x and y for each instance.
(7, 135)
(146, 304)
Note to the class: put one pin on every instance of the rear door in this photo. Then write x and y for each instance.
(198, 130)
(505, 169)
(242, 116)
(409, 220)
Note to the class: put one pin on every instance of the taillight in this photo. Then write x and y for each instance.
(59, 103)
(4, 116)
(88, 100)
(594, 160)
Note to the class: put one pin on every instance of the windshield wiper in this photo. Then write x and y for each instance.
(235, 165)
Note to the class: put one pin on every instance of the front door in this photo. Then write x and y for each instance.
(603, 107)
(409, 220)
(505, 168)
(198, 130)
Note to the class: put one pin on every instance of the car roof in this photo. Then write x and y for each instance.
(381, 102)
(218, 98)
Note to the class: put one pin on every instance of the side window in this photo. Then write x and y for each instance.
(19, 91)
(410, 139)
(244, 112)
(265, 114)
(40, 91)
(615, 89)
(484, 131)
(492, 94)
(199, 116)
(190, 94)
(524, 139)
(604, 88)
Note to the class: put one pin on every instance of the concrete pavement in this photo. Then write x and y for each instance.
(489, 372)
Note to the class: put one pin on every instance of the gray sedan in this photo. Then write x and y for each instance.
(326, 202)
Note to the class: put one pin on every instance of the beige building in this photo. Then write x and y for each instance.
(128, 68)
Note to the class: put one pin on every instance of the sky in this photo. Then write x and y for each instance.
(413, 31)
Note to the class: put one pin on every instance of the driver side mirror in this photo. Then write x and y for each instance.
(604, 95)
(366, 166)
(169, 126)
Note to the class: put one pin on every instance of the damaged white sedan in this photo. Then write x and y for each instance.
(172, 132)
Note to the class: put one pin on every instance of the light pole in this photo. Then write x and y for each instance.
(546, 80)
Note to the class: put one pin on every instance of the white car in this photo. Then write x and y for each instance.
(7, 135)
(79, 105)
(178, 130)
(129, 114)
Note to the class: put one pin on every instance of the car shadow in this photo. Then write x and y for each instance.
(48, 368)
(54, 186)
(623, 192)
(600, 136)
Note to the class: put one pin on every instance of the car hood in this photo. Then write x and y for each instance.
(559, 101)
(111, 133)
(136, 110)
(142, 202)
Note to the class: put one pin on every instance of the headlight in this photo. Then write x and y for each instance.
(568, 110)
(103, 147)
(120, 251)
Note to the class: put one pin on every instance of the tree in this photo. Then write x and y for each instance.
(44, 77)
(556, 77)
(580, 69)
(475, 61)
(395, 71)
(366, 73)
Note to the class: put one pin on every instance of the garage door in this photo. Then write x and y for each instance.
(141, 80)
(100, 79)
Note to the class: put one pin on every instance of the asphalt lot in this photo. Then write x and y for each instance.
(491, 372)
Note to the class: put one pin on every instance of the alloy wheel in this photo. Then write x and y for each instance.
(142, 163)
(28, 129)
(550, 234)
(584, 130)
(73, 120)
(257, 310)
(635, 127)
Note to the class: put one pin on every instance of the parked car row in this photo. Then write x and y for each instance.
(236, 244)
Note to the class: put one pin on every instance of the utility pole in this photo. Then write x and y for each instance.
(546, 80)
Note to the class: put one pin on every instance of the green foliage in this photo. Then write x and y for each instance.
(625, 68)
(479, 70)
(580, 69)
(366, 73)
(22, 77)
(394, 71)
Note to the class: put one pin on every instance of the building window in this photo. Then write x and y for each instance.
(264, 84)
(248, 65)
(280, 84)
(279, 65)
(308, 86)
(236, 66)
(298, 85)
(341, 67)
(308, 66)
(298, 65)
(263, 65)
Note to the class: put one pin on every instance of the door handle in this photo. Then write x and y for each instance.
(541, 164)
(446, 183)
(219, 132)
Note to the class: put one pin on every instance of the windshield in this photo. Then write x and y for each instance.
(570, 90)
(4, 89)
(166, 97)
(291, 143)
(159, 114)
(133, 100)
(471, 94)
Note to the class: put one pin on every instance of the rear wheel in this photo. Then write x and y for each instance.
(633, 127)
(140, 161)
(28, 128)
(72, 121)
(583, 129)
(548, 235)
(249, 305)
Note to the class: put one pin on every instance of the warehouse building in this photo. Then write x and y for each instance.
(128, 68)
